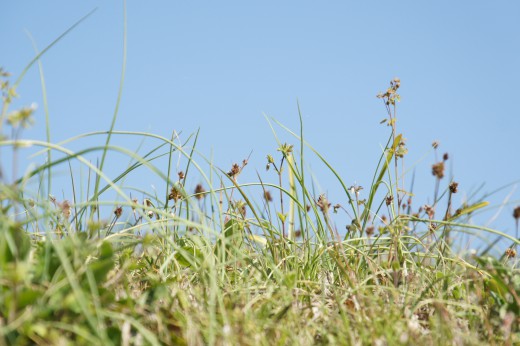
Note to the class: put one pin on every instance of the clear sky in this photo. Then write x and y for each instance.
(221, 65)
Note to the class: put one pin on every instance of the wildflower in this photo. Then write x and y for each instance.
(286, 149)
(355, 189)
(445, 157)
(389, 200)
(22, 117)
(435, 144)
(370, 231)
(181, 175)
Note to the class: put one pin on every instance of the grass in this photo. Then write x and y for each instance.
(226, 262)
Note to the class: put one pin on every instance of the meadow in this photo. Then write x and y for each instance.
(211, 259)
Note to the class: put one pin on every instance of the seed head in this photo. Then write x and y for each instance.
(240, 207)
(148, 204)
(199, 191)
(510, 253)
(438, 170)
(175, 193)
(429, 210)
(235, 169)
(181, 175)
(267, 196)
(323, 203)
(65, 208)
(516, 213)
(118, 211)
(454, 187)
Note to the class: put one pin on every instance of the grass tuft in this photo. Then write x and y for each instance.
(211, 259)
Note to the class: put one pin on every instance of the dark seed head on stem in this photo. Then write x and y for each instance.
(454, 187)
(118, 211)
(323, 203)
(438, 170)
(510, 253)
(199, 191)
(516, 213)
(235, 169)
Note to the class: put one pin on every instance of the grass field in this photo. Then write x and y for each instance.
(232, 262)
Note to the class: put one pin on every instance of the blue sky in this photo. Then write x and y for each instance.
(220, 66)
